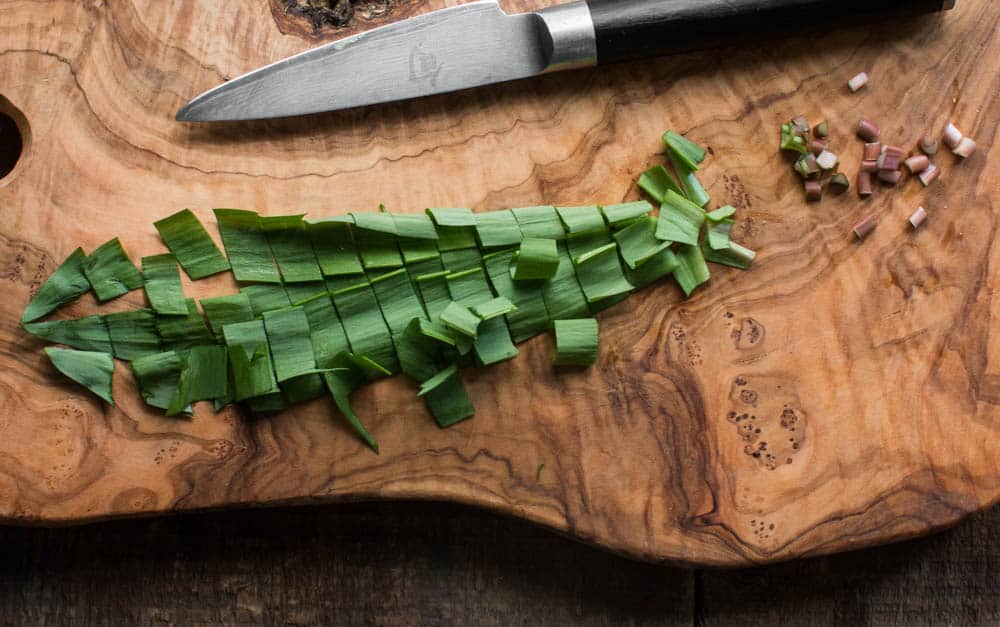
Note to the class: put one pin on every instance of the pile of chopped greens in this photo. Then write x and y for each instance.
(330, 304)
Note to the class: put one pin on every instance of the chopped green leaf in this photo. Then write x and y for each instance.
(461, 319)
(680, 220)
(655, 268)
(469, 287)
(732, 255)
(497, 229)
(688, 152)
(163, 285)
(207, 373)
(180, 333)
(92, 370)
(67, 283)
(419, 348)
(542, 222)
(397, 299)
(495, 307)
(434, 292)
(693, 190)
(656, 182)
(366, 329)
(563, 297)
(576, 342)
(446, 397)
(334, 247)
(158, 376)
(461, 260)
(691, 269)
(718, 234)
(638, 242)
(452, 216)
(622, 215)
(493, 343)
(414, 226)
(348, 377)
(600, 274)
(325, 330)
(250, 360)
(720, 214)
(246, 245)
(291, 248)
(417, 237)
(223, 310)
(133, 333)
(266, 297)
(86, 334)
(375, 235)
(110, 271)
(536, 259)
(288, 336)
(582, 220)
(187, 239)
(531, 317)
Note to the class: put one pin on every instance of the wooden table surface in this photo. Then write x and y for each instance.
(425, 563)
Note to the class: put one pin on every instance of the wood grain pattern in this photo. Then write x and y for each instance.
(880, 355)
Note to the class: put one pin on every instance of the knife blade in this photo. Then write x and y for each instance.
(479, 44)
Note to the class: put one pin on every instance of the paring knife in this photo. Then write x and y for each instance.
(478, 44)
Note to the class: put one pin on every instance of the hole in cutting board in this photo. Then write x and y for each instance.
(14, 137)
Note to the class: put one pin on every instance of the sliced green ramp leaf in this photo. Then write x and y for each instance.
(325, 330)
(720, 214)
(288, 335)
(653, 269)
(250, 360)
(375, 235)
(624, 214)
(207, 374)
(693, 189)
(469, 287)
(247, 247)
(66, 284)
(494, 307)
(291, 248)
(348, 377)
(133, 333)
(86, 334)
(685, 150)
(531, 317)
(600, 274)
(455, 227)
(460, 318)
(92, 370)
(576, 342)
(266, 297)
(187, 239)
(110, 271)
(163, 285)
(180, 333)
(542, 222)
(496, 229)
(638, 242)
(718, 234)
(656, 182)
(223, 310)
(732, 255)
(680, 220)
(417, 236)
(397, 299)
(158, 376)
(691, 268)
(333, 246)
(446, 397)
(366, 329)
(563, 295)
(537, 259)
(582, 220)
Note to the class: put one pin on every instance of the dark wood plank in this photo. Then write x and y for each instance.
(950, 578)
(386, 564)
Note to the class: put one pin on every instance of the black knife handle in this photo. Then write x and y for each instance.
(634, 29)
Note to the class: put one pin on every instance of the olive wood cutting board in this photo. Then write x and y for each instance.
(840, 394)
